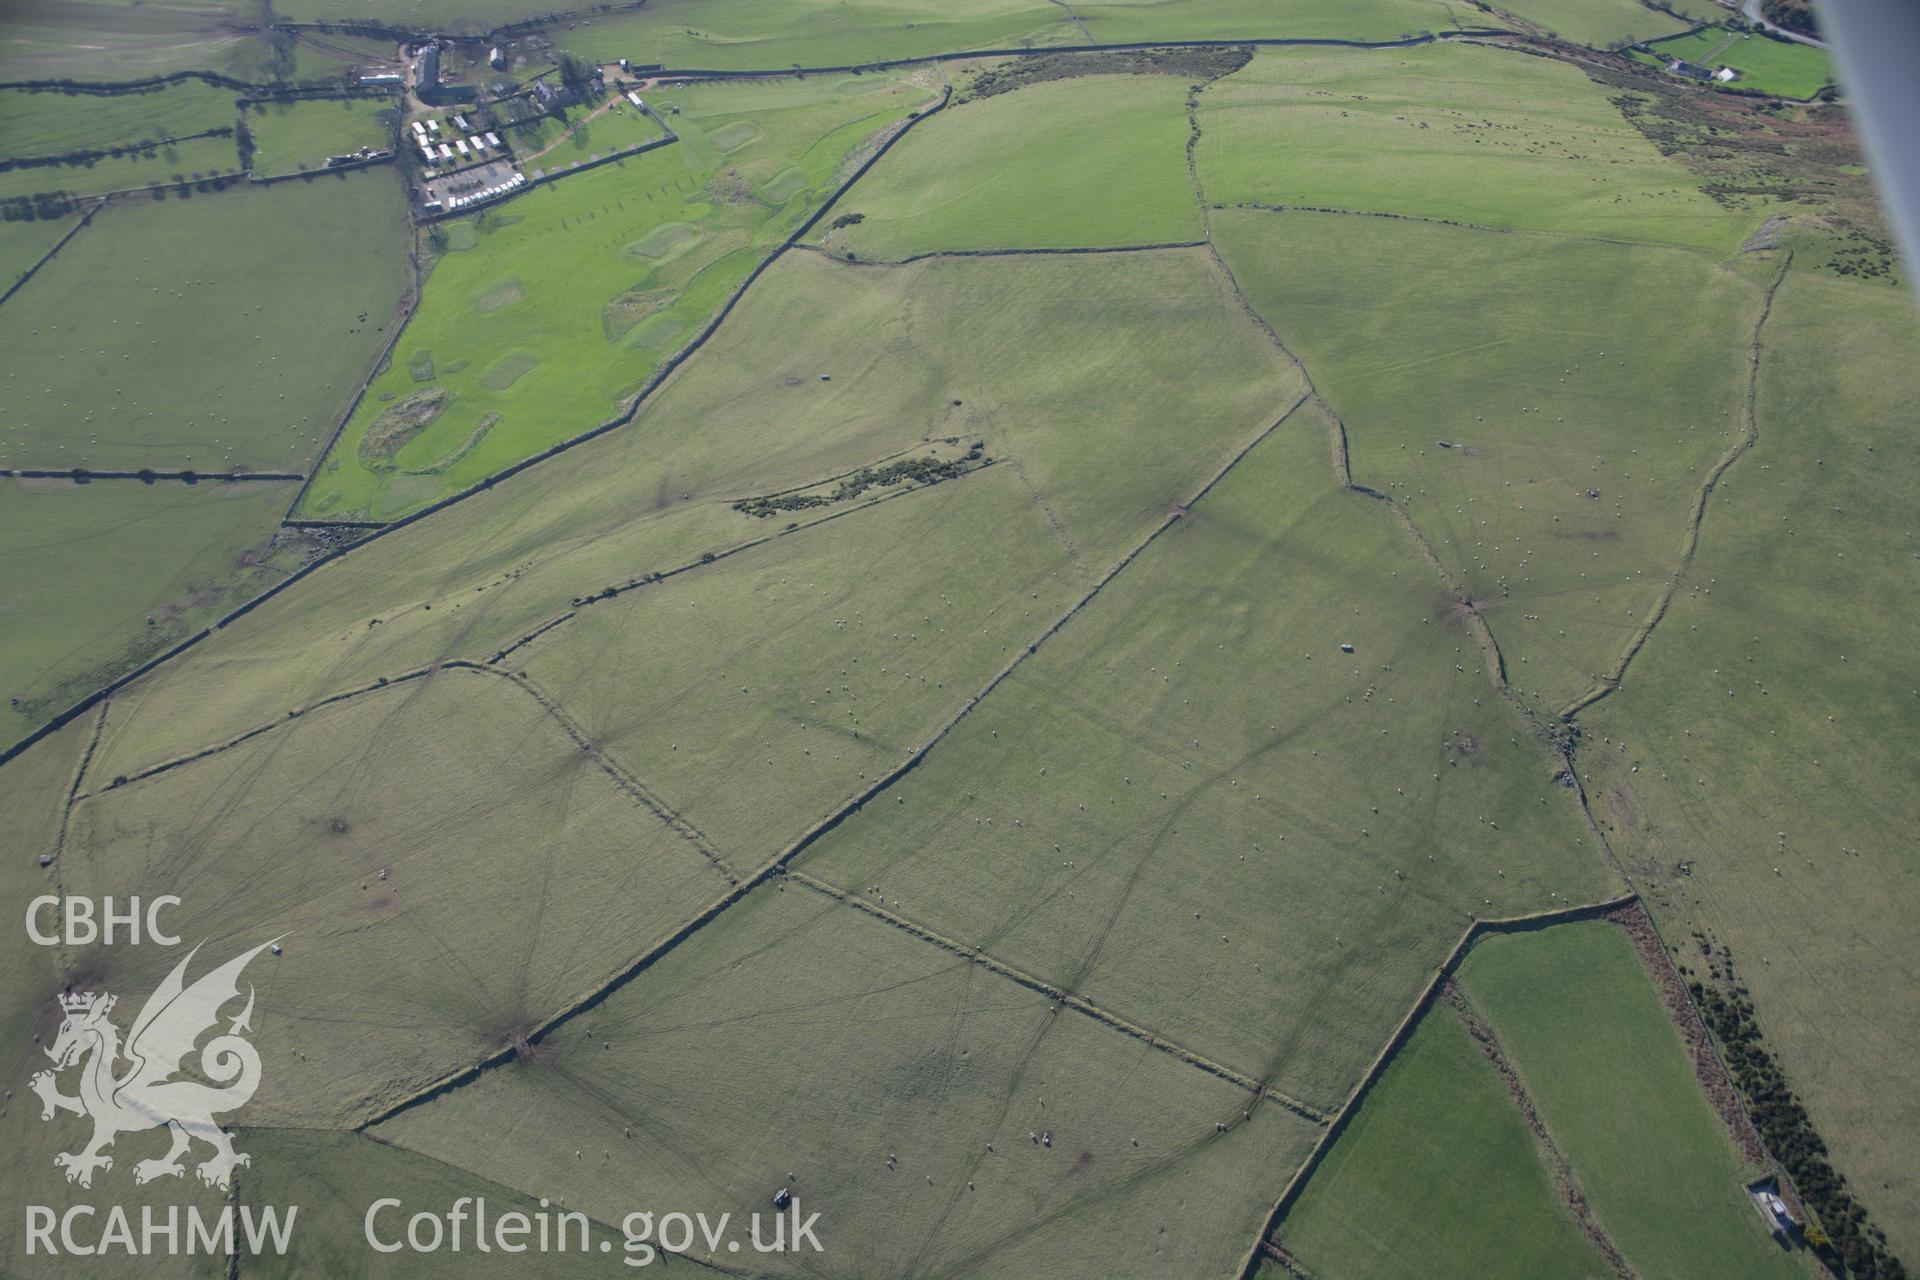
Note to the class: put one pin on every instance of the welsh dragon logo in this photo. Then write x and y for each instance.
(146, 1094)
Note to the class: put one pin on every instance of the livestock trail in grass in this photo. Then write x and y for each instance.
(945, 739)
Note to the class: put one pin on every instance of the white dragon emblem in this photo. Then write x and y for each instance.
(145, 1095)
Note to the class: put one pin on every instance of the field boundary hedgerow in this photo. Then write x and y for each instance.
(57, 246)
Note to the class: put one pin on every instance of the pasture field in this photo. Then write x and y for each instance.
(1551, 451)
(938, 1074)
(119, 40)
(1756, 761)
(289, 137)
(333, 1176)
(739, 35)
(1587, 1033)
(1603, 24)
(191, 160)
(1071, 374)
(24, 243)
(165, 334)
(448, 828)
(1437, 1176)
(1121, 21)
(48, 122)
(1454, 132)
(1018, 169)
(1157, 810)
(552, 144)
(548, 313)
(1772, 66)
(99, 577)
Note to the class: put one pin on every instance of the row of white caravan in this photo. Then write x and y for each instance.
(514, 183)
(436, 152)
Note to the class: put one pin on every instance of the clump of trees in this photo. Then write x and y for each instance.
(926, 470)
(1842, 1227)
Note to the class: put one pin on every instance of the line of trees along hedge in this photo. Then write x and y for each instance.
(1843, 1228)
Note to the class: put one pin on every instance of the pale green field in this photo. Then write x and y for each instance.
(1438, 1176)
(24, 243)
(82, 568)
(1552, 370)
(1071, 370)
(1086, 162)
(666, 1093)
(1771, 66)
(1114, 21)
(48, 122)
(218, 332)
(1600, 23)
(1586, 1030)
(1457, 132)
(1159, 810)
(1760, 743)
(190, 161)
(292, 137)
(447, 828)
(116, 40)
(541, 318)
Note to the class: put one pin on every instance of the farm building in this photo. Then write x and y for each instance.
(1691, 70)
(426, 74)
(1772, 1209)
(1726, 75)
(497, 58)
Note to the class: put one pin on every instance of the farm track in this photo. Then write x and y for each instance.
(1064, 251)
(778, 862)
(86, 475)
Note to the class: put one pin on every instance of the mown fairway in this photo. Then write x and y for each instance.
(1453, 132)
(1437, 1175)
(213, 333)
(1597, 1052)
(1008, 172)
(540, 320)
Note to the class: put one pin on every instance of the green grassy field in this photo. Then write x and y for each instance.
(1771, 66)
(555, 145)
(191, 160)
(1550, 451)
(1160, 812)
(1117, 21)
(1455, 132)
(1600, 23)
(118, 40)
(917, 1054)
(541, 318)
(216, 332)
(48, 122)
(1587, 1033)
(86, 566)
(291, 137)
(1437, 1176)
(22, 244)
(1018, 170)
(1755, 761)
